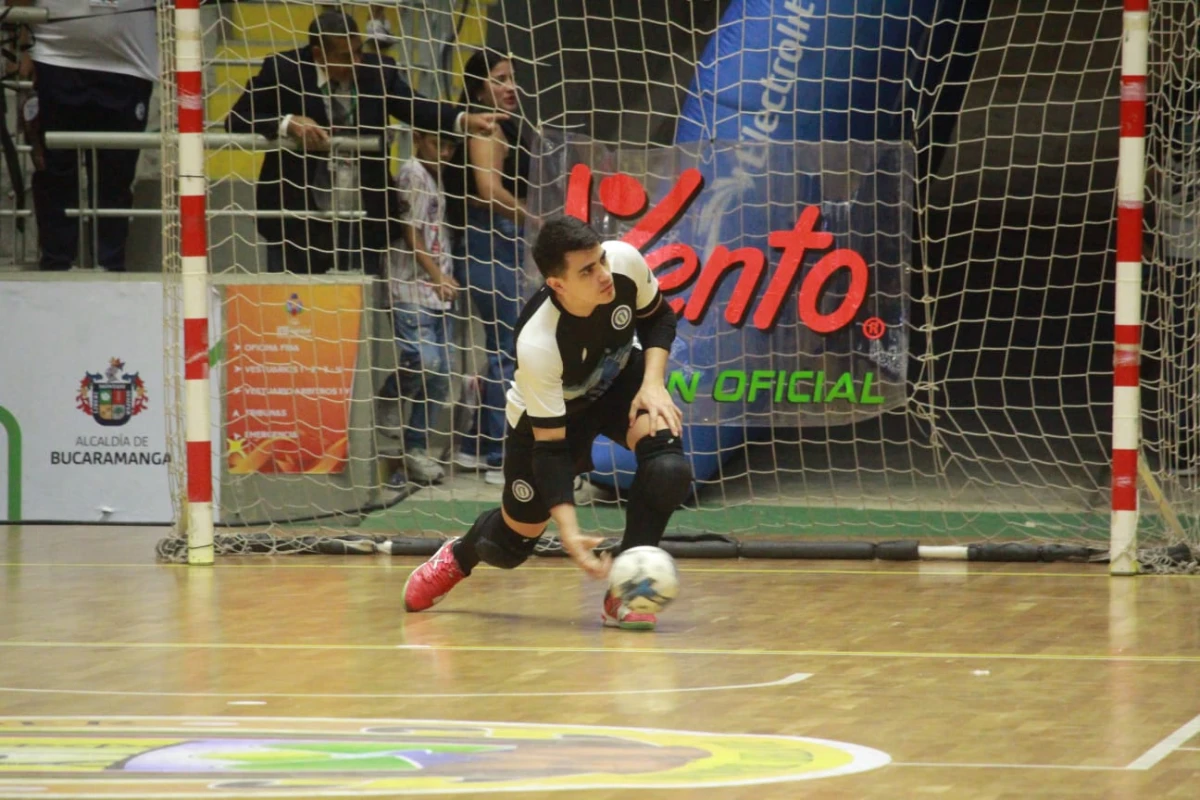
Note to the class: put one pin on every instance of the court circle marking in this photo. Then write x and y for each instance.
(105, 756)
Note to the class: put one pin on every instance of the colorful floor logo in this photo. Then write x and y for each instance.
(134, 757)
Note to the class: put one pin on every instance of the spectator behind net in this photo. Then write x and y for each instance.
(486, 183)
(331, 88)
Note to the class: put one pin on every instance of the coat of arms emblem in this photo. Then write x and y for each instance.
(114, 396)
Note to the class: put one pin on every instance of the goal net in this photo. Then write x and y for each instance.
(889, 235)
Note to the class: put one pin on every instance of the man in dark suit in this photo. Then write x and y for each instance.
(341, 201)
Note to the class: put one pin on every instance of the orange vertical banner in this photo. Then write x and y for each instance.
(290, 360)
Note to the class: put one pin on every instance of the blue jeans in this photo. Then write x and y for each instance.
(422, 335)
(495, 255)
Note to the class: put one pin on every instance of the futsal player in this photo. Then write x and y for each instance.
(578, 375)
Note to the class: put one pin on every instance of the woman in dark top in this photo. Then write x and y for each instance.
(491, 173)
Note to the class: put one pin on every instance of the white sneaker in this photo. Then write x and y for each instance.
(494, 477)
(468, 460)
(420, 468)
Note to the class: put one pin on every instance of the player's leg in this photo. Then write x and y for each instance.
(498, 540)
(501, 537)
(505, 537)
(660, 485)
(664, 474)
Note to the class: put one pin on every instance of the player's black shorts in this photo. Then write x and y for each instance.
(609, 415)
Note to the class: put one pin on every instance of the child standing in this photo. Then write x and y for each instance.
(423, 289)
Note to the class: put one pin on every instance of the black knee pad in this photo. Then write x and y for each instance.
(664, 474)
(501, 546)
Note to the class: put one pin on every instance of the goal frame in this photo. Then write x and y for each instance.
(1127, 328)
(1129, 473)
(193, 251)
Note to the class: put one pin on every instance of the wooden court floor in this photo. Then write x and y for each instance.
(301, 676)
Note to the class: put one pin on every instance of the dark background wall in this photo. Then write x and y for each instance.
(619, 68)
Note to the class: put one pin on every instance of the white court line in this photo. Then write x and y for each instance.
(790, 679)
(946, 765)
(1168, 745)
(1144, 762)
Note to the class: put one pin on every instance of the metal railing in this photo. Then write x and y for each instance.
(24, 15)
(152, 140)
(87, 209)
(428, 36)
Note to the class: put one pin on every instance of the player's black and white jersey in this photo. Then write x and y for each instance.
(565, 362)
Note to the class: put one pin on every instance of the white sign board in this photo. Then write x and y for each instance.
(82, 389)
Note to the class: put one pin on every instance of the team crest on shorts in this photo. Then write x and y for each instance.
(621, 317)
(522, 491)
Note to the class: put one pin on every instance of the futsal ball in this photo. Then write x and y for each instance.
(644, 578)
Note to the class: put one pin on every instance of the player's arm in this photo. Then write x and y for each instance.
(554, 472)
(655, 324)
(539, 380)
(655, 371)
(656, 320)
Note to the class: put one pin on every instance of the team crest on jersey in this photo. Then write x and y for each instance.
(522, 491)
(621, 317)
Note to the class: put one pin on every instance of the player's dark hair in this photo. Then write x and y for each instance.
(559, 236)
(330, 24)
(476, 73)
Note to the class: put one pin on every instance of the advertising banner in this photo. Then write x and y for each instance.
(781, 218)
(82, 416)
(290, 355)
(790, 309)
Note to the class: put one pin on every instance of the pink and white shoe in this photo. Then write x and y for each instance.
(433, 580)
(618, 615)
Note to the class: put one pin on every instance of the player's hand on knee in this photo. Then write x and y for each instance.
(657, 403)
(582, 548)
